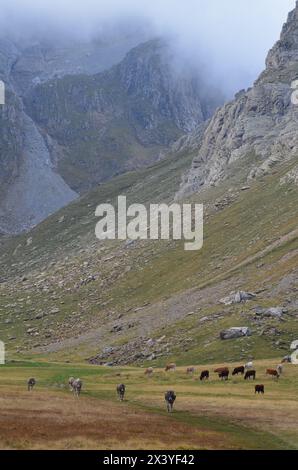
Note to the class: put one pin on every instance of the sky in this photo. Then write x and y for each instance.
(227, 39)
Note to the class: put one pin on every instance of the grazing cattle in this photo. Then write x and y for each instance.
(121, 391)
(238, 370)
(171, 366)
(31, 383)
(248, 365)
(259, 389)
(273, 373)
(221, 369)
(170, 398)
(70, 383)
(287, 359)
(279, 369)
(149, 371)
(250, 374)
(204, 375)
(77, 385)
(224, 375)
(190, 370)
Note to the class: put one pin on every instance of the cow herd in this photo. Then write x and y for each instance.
(247, 371)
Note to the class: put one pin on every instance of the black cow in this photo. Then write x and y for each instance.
(238, 370)
(224, 374)
(250, 374)
(259, 389)
(31, 383)
(170, 398)
(204, 375)
(121, 391)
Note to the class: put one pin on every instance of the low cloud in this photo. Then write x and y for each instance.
(229, 38)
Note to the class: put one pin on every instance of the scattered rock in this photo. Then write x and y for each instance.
(270, 312)
(237, 297)
(235, 332)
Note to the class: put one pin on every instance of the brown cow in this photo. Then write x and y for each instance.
(250, 374)
(221, 369)
(238, 370)
(171, 366)
(190, 370)
(204, 375)
(259, 389)
(149, 371)
(273, 373)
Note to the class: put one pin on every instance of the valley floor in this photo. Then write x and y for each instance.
(211, 415)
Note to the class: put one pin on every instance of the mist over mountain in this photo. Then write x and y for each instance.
(226, 39)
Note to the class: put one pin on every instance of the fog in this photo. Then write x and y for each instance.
(228, 39)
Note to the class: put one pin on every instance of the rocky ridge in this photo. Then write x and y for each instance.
(259, 127)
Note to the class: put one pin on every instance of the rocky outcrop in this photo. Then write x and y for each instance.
(237, 297)
(275, 312)
(235, 332)
(258, 127)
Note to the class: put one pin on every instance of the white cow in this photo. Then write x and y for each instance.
(248, 365)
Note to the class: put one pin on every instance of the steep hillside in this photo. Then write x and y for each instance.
(121, 119)
(67, 295)
(65, 128)
(262, 120)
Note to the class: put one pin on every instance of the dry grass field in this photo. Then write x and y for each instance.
(211, 415)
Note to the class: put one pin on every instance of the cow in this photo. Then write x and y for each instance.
(121, 391)
(273, 373)
(149, 371)
(170, 398)
(204, 375)
(70, 383)
(221, 369)
(31, 383)
(77, 385)
(171, 366)
(259, 389)
(248, 365)
(279, 369)
(238, 370)
(250, 374)
(224, 374)
(287, 359)
(190, 370)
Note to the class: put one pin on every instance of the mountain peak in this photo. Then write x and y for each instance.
(285, 51)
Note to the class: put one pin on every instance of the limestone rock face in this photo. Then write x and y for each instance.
(258, 127)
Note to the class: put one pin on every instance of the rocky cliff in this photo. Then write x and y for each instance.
(259, 127)
(71, 122)
(120, 119)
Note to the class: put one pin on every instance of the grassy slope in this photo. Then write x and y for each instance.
(251, 244)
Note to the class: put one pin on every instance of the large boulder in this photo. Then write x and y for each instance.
(294, 345)
(276, 312)
(235, 332)
(237, 297)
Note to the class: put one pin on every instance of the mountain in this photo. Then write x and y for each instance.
(259, 127)
(121, 119)
(65, 295)
(66, 128)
